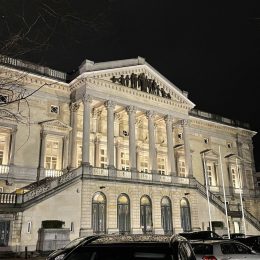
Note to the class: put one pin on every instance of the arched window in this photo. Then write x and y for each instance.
(123, 214)
(99, 213)
(185, 215)
(146, 214)
(166, 215)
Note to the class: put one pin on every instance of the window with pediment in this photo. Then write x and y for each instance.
(53, 154)
(234, 170)
(211, 173)
(4, 147)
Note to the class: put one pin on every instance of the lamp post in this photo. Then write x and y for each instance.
(207, 188)
(224, 191)
(240, 195)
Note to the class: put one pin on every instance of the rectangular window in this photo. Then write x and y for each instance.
(71, 227)
(144, 164)
(103, 158)
(52, 155)
(79, 154)
(161, 165)
(29, 226)
(182, 171)
(210, 175)
(124, 158)
(4, 148)
(1, 156)
(235, 177)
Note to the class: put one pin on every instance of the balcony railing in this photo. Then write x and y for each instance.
(7, 198)
(53, 173)
(4, 169)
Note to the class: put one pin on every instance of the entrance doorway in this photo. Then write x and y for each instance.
(4, 232)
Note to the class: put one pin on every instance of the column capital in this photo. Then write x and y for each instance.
(149, 114)
(185, 122)
(168, 119)
(130, 109)
(87, 98)
(74, 106)
(117, 116)
(43, 134)
(96, 112)
(110, 104)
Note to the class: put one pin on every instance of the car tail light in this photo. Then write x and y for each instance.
(209, 257)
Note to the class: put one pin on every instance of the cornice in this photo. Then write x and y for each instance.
(25, 77)
(209, 125)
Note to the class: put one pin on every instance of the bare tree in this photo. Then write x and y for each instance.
(28, 28)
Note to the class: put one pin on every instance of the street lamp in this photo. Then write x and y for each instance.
(206, 182)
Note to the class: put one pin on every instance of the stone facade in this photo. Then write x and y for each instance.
(100, 135)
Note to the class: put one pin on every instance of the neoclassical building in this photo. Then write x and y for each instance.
(115, 147)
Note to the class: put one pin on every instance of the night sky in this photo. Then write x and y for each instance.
(209, 48)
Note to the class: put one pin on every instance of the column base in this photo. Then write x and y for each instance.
(85, 232)
(159, 231)
(178, 230)
(137, 231)
(113, 231)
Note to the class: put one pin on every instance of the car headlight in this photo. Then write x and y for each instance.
(59, 257)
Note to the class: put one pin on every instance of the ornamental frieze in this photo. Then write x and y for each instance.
(141, 82)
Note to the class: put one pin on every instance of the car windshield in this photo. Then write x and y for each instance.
(74, 242)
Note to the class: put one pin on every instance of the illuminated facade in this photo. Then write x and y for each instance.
(117, 147)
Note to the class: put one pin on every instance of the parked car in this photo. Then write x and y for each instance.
(127, 247)
(234, 235)
(204, 235)
(251, 241)
(222, 249)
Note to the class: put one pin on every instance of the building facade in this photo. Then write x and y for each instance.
(116, 147)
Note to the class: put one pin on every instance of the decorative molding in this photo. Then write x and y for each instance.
(74, 107)
(55, 125)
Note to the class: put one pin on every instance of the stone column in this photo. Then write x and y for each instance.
(73, 144)
(110, 133)
(170, 150)
(187, 148)
(152, 151)
(12, 149)
(132, 141)
(65, 151)
(43, 149)
(86, 129)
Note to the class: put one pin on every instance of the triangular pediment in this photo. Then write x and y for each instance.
(55, 125)
(210, 154)
(136, 75)
(233, 158)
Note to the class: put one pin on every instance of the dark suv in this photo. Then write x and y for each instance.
(128, 247)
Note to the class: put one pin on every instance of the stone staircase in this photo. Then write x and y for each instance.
(220, 204)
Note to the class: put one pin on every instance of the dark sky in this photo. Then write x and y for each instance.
(209, 48)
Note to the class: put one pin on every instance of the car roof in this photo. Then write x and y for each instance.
(213, 241)
(109, 239)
